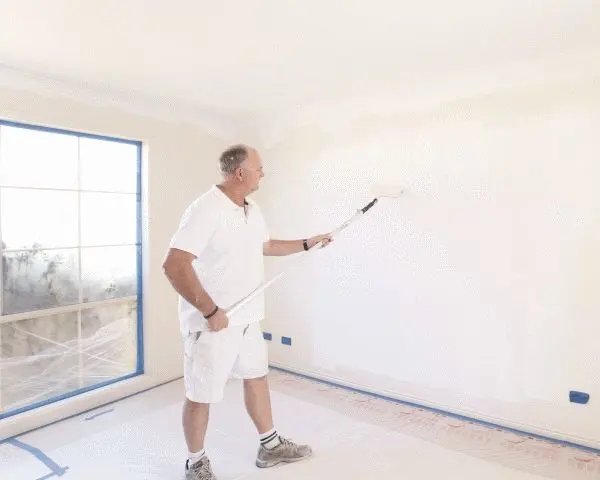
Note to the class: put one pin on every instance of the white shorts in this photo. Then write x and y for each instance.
(212, 358)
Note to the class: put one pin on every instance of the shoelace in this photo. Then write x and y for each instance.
(288, 445)
(201, 467)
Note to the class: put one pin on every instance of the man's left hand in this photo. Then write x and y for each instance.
(326, 239)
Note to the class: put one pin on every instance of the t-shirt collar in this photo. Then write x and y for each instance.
(227, 200)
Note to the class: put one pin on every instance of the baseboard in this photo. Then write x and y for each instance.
(584, 444)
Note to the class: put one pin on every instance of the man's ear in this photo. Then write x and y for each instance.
(239, 173)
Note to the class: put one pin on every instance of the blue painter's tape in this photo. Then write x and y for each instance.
(579, 397)
(95, 415)
(41, 456)
(41, 128)
(267, 336)
(50, 475)
(286, 340)
(140, 262)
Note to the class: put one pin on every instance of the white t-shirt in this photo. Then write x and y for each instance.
(227, 241)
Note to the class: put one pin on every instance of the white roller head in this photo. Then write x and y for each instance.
(388, 191)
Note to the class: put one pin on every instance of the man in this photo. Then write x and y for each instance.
(215, 259)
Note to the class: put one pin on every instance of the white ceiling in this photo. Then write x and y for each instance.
(260, 58)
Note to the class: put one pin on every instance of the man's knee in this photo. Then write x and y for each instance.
(256, 382)
(195, 406)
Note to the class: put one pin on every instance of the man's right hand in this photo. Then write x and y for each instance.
(218, 321)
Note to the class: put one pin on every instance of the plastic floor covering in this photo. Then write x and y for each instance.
(355, 436)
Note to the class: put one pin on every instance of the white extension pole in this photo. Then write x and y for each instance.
(380, 192)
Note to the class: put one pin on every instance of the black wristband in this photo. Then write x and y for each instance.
(305, 243)
(212, 313)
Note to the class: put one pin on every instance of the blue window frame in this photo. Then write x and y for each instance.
(71, 316)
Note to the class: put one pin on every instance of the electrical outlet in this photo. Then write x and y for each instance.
(286, 340)
(267, 336)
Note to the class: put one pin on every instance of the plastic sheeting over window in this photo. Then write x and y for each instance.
(56, 355)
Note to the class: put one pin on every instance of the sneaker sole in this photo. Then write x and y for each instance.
(272, 463)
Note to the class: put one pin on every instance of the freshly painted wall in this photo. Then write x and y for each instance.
(179, 163)
(476, 292)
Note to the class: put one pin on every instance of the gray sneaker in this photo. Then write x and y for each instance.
(286, 452)
(200, 470)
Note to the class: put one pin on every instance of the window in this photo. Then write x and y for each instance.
(70, 230)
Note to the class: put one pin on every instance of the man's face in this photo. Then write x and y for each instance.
(252, 171)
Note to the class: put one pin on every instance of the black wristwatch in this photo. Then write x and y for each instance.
(305, 243)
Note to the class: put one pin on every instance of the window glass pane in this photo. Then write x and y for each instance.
(39, 359)
(108, 166)
(108, 219)
(35, 158)
(108, 344)
(108, 272)
(42, 218)
(38, 279)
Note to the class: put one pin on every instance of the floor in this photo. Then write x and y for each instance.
(355, 436)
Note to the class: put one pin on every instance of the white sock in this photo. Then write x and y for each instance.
(194, 457)
(270, 439)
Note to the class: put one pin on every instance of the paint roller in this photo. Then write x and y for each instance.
(378, 191)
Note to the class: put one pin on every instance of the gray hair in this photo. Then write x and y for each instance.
(232, 158)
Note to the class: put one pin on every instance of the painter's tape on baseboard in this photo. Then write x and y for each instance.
(56, 469)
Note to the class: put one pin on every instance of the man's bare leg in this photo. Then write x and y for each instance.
(195, 423)
(258, 403)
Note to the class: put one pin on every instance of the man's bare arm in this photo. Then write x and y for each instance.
(282, 248)
(180, 272)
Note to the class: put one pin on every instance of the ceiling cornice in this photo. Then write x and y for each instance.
(136, 103)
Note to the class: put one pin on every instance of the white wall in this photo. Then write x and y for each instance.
(475, 293)
(180, 162)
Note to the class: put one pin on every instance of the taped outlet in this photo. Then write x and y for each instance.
(579, 397)
(286, 340)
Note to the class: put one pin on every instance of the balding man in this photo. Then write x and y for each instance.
(215, 259)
